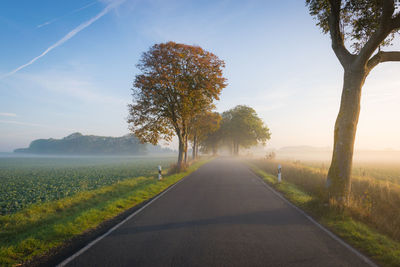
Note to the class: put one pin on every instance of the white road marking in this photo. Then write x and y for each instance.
(91, 244)
(332, 235)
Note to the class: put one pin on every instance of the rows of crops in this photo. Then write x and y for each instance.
(26, 181)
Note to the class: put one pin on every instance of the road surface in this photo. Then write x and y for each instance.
(220, 215)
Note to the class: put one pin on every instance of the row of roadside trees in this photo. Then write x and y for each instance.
(239, 127)
(178, 84)
(174, 96)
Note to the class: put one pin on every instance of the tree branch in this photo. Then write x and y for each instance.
(396, 22)
(383, 56)
(336, 35)
(385, 27)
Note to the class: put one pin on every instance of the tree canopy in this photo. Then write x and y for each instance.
(177, 83)
(364, 25)
(201, 127)
(240, 127)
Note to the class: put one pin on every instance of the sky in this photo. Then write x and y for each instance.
(68, 66)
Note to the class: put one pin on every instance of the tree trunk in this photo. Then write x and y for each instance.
(197, 149)
(194, 147)
(339, 175)
(236, 148)
(214, 150)
(186, 148)
(180, 155)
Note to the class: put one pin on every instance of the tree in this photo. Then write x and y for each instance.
(365, 26)
(177, 82)
(242, 127)
(201, 126)
(212, 141)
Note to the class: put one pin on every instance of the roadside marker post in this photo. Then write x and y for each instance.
(279, 173)
(159, 172)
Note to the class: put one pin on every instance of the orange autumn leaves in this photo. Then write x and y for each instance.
(177, 84)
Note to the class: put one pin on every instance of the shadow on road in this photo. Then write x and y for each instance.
(275, 217)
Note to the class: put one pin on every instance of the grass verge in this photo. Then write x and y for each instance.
(35, 231)
(379, 247)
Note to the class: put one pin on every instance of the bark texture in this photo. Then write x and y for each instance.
(356, 69)
(339, 175)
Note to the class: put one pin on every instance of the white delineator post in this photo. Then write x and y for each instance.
(279, 173)
(159, 172)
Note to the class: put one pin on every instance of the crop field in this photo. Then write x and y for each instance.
(375, 189)
(389, 171)
(31, 180)
(378, 165)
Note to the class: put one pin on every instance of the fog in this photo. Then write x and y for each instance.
(324, 154)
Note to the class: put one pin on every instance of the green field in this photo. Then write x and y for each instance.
(35, 231)
(31, 180)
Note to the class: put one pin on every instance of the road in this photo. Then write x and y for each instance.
(220, 215)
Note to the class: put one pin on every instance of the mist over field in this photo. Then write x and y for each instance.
(325, 155)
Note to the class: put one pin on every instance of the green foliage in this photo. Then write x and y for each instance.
(26, 181)
(359, 19)
(211, 142)
(243, 127)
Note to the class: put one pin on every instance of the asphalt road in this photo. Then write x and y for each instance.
(220, 215)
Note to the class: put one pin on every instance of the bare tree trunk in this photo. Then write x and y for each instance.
(236, 148)
(180, 155)
(197, 149)
(339, 175)
(214, 149)
(186, 148)
(194, 147)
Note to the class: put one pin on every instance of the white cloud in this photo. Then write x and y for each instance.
(68, 36)
(72, 12)
(24, 123)
(7, 114)
(73, 84)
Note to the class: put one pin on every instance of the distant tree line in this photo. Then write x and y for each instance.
(78, 144)
(174, 94)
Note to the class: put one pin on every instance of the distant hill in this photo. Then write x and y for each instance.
(78, 144)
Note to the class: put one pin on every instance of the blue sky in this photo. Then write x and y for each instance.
(68, 66)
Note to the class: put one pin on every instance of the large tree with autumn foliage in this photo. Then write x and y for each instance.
(359, 30)
(177, 82)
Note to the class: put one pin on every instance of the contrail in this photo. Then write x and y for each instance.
(66, 37)
(72, 12)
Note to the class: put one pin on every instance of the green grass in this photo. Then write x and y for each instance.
(36, 230)
(381, 248)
